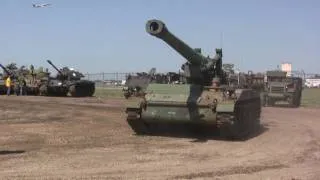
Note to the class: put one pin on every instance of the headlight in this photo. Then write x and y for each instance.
(59, 83)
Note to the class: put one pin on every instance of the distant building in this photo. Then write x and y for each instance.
(312, 82)
(287, 67)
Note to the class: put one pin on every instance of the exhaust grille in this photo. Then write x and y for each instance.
(275, 89)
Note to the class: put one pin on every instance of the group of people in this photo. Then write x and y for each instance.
(21, 84)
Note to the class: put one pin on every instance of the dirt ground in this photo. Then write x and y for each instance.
(88, 138)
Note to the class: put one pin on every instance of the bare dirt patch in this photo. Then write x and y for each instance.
(89, 138)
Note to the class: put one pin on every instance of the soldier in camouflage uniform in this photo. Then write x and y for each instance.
(22, 85)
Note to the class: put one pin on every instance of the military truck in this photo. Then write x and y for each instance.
(280, 87)
(205, 98)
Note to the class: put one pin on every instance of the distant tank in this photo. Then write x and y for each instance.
(72, 83)
(204, 99)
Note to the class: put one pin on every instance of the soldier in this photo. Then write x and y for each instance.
(22, 85)
(32, 72)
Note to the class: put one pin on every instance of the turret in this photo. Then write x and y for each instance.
(67, 73)
(61, 74)
(199, 69)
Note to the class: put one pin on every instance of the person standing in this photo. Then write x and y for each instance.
(22, 85)
(8, 85)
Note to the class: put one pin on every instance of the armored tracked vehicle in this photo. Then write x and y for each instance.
(205, 98)
(69, 81)
(280, 87)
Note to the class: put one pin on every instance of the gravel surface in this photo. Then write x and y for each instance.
(88, 138)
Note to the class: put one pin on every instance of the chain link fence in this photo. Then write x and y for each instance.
(107, 79)
(117, 79)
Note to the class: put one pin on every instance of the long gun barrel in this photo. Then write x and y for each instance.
(5, 69)
(9, 73)
(158, 29)
(54, 66)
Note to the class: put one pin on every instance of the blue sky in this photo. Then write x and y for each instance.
(109, 35)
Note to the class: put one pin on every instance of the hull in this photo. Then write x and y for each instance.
(46, 90)
(28, 90)
(82, 88)
(57, 91)
(195, 105)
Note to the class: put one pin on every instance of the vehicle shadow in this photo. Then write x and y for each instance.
(12, 152)
(201, 134)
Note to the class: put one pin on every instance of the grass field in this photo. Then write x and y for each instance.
(310, 97)
(109, 92)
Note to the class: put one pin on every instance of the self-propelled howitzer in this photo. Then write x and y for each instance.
(205, 99)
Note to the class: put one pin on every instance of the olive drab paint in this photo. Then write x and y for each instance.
(205, 98)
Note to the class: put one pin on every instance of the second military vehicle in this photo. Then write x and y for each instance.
(69, 81)
(280, 87)
(205, 98)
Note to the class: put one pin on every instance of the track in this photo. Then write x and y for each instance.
(88, 138)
